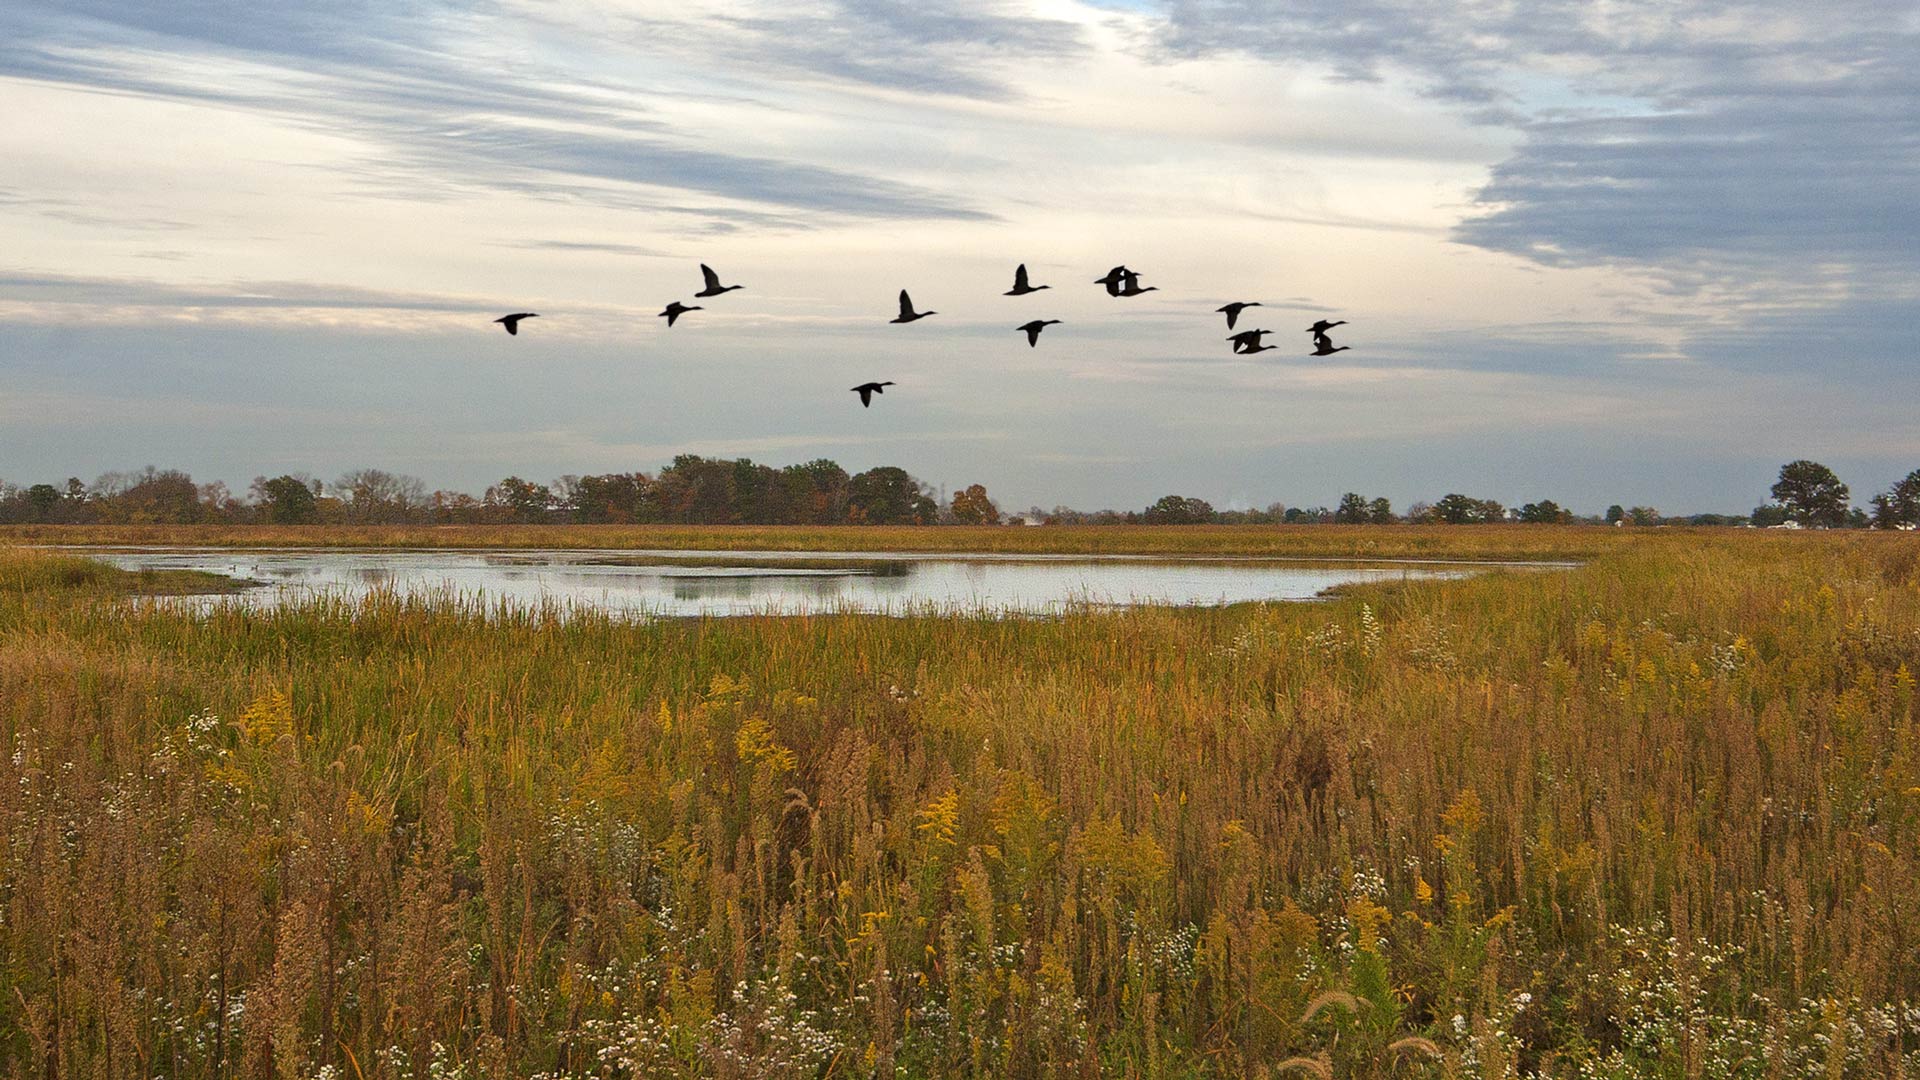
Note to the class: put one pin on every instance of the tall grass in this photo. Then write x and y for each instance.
(1655, 816)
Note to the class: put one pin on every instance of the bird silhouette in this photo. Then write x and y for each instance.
(867, 390)
(1320, 328)
(1246, 338)
(1033, 330)
(714, 288)
(1324, 346)
(1131, 286)
(907, 314)
(1020, 286)
(1232, 311)
(1113, 279)
(677, 309)
(512, 322)
(1253, 347)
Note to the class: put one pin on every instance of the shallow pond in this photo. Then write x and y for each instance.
(762, 582)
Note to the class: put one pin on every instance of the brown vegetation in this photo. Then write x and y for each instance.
(1658, 815)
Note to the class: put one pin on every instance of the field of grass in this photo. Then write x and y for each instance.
(1290, 541)
(1658, 815)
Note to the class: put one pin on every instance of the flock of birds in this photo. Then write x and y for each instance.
(1119, 281)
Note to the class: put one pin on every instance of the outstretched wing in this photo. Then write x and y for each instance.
(1020, 278)
(906, 304)
(713, 279)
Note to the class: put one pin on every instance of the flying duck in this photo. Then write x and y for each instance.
(714, 288)
(1232, 311)
(1020, 286)
(1033, 330)
(677, 309)
(868, 389)
(907, 314)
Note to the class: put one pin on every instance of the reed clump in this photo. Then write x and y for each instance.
(1658, 815)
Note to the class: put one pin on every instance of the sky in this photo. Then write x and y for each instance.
(1596, 251)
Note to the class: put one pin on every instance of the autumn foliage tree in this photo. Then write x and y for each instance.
(972, 507)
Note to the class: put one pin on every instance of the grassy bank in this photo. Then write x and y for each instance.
(1295, 541)
(36, 574)
(1658, 815)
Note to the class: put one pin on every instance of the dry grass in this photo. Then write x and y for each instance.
(1656, 816)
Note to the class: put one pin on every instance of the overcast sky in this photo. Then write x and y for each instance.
(1614, 251)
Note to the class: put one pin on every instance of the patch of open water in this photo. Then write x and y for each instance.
(769, 582)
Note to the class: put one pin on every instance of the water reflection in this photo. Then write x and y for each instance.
(732, 583)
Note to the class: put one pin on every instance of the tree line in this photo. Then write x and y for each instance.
(695, 490)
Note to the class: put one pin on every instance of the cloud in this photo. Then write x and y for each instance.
(1573, 240)
(902, 44)
(442, 112)
(63, 289)
(595, 246)
(1705, 143)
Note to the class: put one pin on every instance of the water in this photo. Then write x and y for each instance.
(739, 583)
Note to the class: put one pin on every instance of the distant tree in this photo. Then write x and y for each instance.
(524, 502)
(1457, 509)
(460, 508)
(1768, 516)
(375, 496)
(1352, 509)
(888, 496)
(286, 500)
(218, 504)
(1645, 516)
(972, 507)
(1179, 510)
(760, 495)
(42, 502)
(1302, 515)
(817, 492)
(1380, 512)
(1812, 494)
(1899, 506)
(1545, 512)
(611, 499)
(696, 491)
(155, 497)
(1616, 514)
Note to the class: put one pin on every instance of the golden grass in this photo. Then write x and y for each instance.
(29, 573)
(1655, 816)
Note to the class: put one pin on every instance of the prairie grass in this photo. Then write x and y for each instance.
(1658, 815)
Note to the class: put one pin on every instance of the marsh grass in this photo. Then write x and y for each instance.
(28, 573)
(1655, 816)
(1347, 543)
